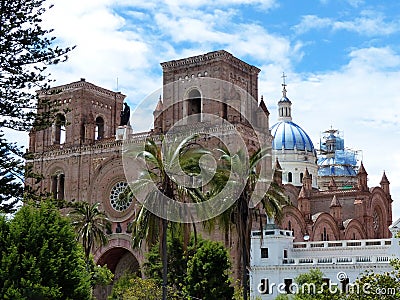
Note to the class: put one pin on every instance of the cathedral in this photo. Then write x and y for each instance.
(328, 191)
(80, 155)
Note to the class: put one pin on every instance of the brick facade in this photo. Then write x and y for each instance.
(87, 165)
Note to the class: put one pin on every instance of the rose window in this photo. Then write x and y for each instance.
(120, 199)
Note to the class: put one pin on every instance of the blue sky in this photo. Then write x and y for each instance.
(341, 57)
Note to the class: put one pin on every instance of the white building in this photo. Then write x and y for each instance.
(276, 260)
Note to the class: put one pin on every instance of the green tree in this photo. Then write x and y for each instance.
(208, 273)
(26, 50)
(11, 175)
(177, 262)
(90, 225)
(312, 286)
(40, 258)
(99, 275)
(184, 262)
(130, 287)
(159, 162)
(371, 285)
(241, 214)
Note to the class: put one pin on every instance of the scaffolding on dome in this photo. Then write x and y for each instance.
(333, 158)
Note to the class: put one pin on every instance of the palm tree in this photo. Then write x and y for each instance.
(159, 167)
(241, 213)
(90, 224)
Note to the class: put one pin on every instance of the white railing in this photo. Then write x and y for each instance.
(298, 246)
(336, 260)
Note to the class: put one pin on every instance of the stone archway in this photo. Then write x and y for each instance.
(120, 261)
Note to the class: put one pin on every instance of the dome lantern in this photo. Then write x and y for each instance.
(285, 106)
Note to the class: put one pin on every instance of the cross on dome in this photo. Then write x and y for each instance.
(284, 85)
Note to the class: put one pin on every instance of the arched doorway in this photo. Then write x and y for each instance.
(120, 261)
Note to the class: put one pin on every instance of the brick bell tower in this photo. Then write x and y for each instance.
(86, 115)
(191, 80)
(79, 157)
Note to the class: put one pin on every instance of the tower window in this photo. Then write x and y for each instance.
(301, 177)
(289, 177)
(194, 104)
(99, 130)
(59, 129)
(57, 186)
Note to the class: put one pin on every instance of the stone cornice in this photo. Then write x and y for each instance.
(82, 84)
(111, 145)
(209, 57)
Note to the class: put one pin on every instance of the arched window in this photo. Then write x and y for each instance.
(225, 111)
(57, 186)
(194, 104)
(324, 235)
(83, 132)
(289, 177)
(301, 177)
(99, 130)
(377, 223)
(59, 129)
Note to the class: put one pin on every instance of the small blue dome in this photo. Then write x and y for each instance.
(288, 135)
(285, 99)
(342, 164)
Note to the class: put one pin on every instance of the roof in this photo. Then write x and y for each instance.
(290, 136)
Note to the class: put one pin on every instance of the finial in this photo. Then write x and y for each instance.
(262, 97)
(284, 84)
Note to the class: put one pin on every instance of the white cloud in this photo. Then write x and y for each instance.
(356, 3)
(309, 22)
(105, 51)
(265, 4)
(369, 23)
(188, 29)
(375, 58)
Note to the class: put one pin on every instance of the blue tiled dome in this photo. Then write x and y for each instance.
(288, 135)
(334, 166)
